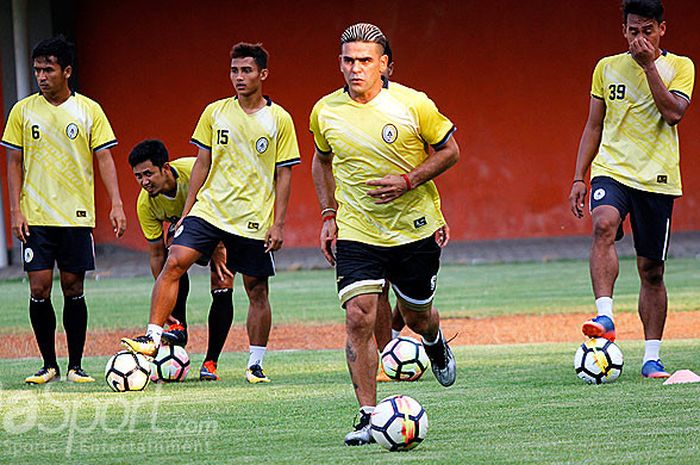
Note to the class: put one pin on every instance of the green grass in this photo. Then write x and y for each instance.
(310, 296)
(511, 405)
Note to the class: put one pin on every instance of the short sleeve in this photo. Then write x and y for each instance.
(151, 227)
(13, 137)
(315, 127)
(597, 89)
(684, 79)
(435, 128)
(101, 134)
(287, 145)
(202, 136)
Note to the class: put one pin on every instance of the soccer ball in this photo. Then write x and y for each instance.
(598, 361)
(404, 359)
(127, 371)
(171, 363)
(399, 423)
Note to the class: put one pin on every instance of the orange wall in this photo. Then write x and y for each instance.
(513, 76)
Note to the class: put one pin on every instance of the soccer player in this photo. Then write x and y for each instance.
(380, 206)
(241, 183)
(165, 185)
(51, 137)
(630, 143)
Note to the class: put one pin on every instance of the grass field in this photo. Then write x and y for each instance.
(511, 404)
(514, 404)
(310, 296)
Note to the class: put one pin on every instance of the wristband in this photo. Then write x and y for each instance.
(578, 180)
(408, 181)
(326, 210)
(328, 216)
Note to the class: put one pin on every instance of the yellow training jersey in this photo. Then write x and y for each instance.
(238, 195)
(153, 211)
(385, 136)
(638, 148)
(57, 144)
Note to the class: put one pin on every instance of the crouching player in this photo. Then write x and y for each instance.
(165, 185)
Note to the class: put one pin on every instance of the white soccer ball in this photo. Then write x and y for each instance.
(404, 359)
(399, 423)
(598, 361)
(171, 363)
(127, 371)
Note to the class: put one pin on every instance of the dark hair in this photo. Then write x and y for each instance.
(57, 47)
(652, 9)
(254, 51)
(388, 53)
(151, 149)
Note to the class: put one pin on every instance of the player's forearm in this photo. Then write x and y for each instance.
(108, 173)
(283, 189)
(15, 175)
(199, 174)
(443, 159)
(587, 150)
(324, 183)
(671, 107)
(157, 264)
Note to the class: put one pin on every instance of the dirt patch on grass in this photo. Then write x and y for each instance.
(470, 331)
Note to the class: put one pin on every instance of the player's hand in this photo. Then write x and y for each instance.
(329, 233)
(642, 51)
(20, 227)
(274, 238)
(389, 188)
(442, 236)
(118, 219)
(218, 260)
(577, 198)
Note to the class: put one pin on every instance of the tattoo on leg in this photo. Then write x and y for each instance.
(350, 353)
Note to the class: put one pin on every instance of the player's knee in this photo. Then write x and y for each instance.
(174, 267)
(359, 319)
(257, 291)
(652, 275)
(40, 291)
(605, 229)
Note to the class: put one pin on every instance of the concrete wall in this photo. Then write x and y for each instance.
(513, 76)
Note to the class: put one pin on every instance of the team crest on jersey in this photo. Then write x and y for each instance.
(599, 194)
(389, 133)
(28, 255)
(72, 131)
(262, 144)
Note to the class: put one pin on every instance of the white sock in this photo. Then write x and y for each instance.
(604, 305)
(651, 349)
(257, 354)
(395, 334)
(432, 343)
(155, 332)
(367, 409)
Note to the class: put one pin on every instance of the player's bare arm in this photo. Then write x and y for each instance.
(671, 106)
(587, 149)
(393, 186)
(200, 171)
(20, 228)
(322, 173)
(218, 260)
(283, 184)
(108, 173)
(157, 255)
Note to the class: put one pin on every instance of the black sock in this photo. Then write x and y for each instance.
(220, 320)
(75, 318)
(43, 320)
(180, 310)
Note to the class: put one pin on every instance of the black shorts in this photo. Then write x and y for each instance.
(411, 268)
(243, 255)
(201, 261)
(70, 247)
(650, 214)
